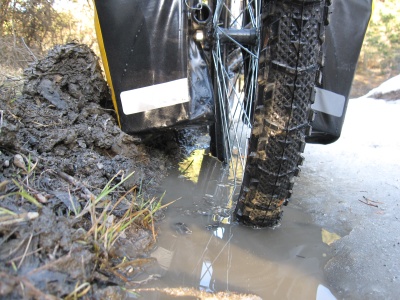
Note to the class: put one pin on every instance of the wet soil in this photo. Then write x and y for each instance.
(60, 146)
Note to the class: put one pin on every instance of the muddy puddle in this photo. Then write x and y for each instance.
(201, 250)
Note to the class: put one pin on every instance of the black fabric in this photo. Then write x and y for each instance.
(146, 44)
(344, 38)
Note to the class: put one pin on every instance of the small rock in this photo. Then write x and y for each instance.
(32, 141)
(81, 144)
(19, 162)
(70, 137)
(182, 228)
(40, 198)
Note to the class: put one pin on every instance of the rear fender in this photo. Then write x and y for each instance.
(348, 23)
(157, 73)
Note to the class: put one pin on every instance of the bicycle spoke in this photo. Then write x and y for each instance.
(236, 69)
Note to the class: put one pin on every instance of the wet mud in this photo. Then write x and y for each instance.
(60, 148)
(62, 119)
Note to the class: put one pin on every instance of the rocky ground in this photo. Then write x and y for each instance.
(70, 182)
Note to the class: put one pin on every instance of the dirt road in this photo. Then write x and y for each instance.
(352, 188)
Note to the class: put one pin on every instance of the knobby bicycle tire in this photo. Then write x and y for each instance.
(289, 64)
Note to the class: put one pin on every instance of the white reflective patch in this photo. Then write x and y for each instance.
(329, 102)
(155, 96)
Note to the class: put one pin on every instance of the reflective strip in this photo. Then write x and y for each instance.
(155, 96)
(329, 102)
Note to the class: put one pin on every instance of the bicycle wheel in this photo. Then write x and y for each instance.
(265, 74)
(235, 55)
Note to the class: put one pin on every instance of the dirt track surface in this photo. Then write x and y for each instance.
(61, 145)
(352, 188)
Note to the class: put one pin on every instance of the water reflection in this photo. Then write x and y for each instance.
(206, 277)
(222, 256)
(218, 186)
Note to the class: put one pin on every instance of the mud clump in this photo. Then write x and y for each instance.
(60, 120)
(60, 146)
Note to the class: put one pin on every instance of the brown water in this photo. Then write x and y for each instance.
(200, 247)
